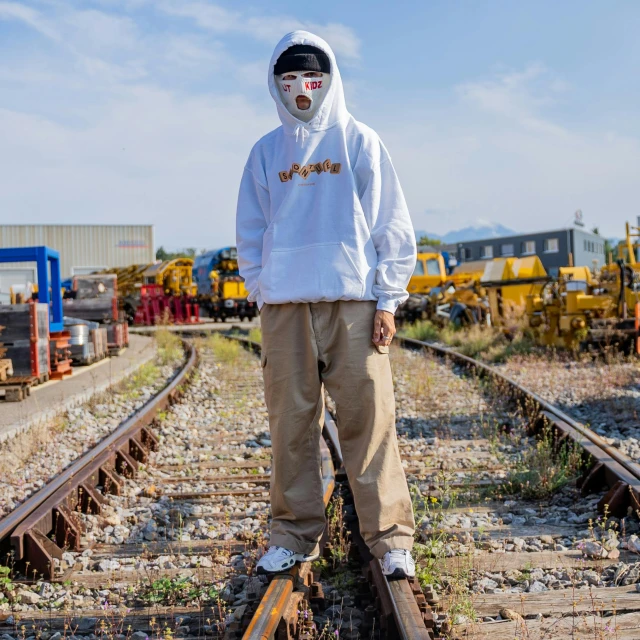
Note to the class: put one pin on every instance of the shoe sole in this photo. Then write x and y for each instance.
(398, 574)
(261, 571)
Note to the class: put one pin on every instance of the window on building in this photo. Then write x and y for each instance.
(486, 251)
(528, 247)
(507, 250)
(419, 270)
(585, 245)
(433, 268)
(553, 272)
(467, 253)
(551, 245)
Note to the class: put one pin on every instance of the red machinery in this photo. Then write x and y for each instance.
(157, 307)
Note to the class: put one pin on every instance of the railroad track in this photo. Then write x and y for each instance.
(203, 474)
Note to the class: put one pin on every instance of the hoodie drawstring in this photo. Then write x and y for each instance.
(302, 133)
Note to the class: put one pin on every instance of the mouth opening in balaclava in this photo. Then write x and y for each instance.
(303, 75)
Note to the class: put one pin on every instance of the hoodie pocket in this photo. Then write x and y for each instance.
(323, 271)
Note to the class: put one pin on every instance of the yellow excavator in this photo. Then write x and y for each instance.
(589, 307)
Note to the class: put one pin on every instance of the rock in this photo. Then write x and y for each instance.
(487, 583)
(633, 543)
(46, 590)
(594, 550)
(614, 554)
(632, 576)
(519, 544)
(86, 624)
(591, 577)
(537, 587)
(460, 619)
(28, 597)
(139, 635)
(510, 614)
(547, 539)
(611, 543)
(536, 574)
(227, 595)
(108, 565)
(239, 612)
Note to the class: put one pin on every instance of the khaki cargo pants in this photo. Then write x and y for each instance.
(305, 346)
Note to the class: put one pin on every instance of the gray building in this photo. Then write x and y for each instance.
(554, 248)
(83, 248)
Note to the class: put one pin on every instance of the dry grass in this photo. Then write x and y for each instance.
(169, 347)
(14, 452)
(492, 344)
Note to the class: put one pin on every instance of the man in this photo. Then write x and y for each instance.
(326, 247)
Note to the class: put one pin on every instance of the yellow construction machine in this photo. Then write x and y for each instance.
(429, 272)
(585, 307)
(168, 283)
(479, 292)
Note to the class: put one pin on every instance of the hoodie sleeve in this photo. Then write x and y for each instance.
(390, 224)
(251, 223)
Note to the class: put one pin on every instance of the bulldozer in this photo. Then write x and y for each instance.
(590, 308)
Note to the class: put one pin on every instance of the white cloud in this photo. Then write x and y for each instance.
(147, 156)
(492, 151)
(342, 39)
(100, 31)
(517, 96)
(28, 16)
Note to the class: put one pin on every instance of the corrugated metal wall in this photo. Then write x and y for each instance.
(83, 246)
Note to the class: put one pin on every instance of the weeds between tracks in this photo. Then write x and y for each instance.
(490, 343)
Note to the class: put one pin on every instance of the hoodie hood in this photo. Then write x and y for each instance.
(333, 109)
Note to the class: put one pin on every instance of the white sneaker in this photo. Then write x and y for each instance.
(280, 559)
(398, 563)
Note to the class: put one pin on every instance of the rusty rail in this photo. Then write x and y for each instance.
(608, 465)
(45, 524)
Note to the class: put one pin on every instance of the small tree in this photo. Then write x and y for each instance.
(162, 254)
(426, 241)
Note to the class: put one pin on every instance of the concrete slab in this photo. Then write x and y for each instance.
(53, 398)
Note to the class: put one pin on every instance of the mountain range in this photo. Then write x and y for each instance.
(475, 232)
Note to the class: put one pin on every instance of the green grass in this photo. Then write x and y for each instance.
(255, 334)
(169, 347)
(423, 330)
(145, 376)
(179, 590)
(540, 470)
(224, 350)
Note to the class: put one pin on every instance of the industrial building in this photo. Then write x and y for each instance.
(83, 249)
(555, 249)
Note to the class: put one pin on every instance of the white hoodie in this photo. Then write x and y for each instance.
(321, 215)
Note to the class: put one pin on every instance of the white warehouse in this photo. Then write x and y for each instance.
(83, 248)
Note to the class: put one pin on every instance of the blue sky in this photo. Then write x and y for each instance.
(507, 112)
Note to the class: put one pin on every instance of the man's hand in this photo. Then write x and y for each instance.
(384, 328)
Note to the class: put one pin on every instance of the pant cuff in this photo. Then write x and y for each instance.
(397, 542)
(293, 544)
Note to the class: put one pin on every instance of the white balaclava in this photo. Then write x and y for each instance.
(290, 70)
